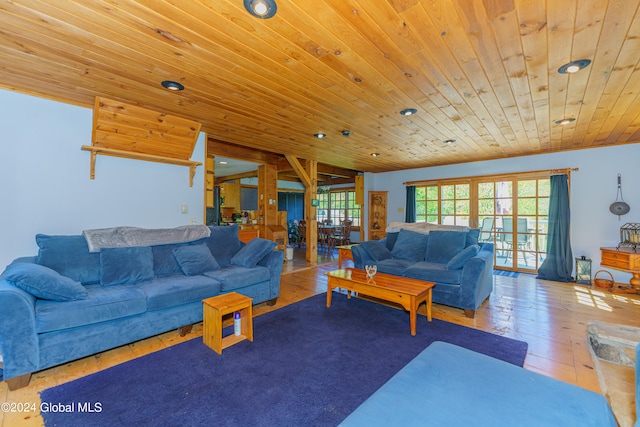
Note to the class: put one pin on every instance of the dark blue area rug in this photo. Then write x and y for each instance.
(506, 273)
(308, 365)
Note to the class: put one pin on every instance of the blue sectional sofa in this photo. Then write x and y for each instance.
(450, 256)
(447, 385)
(67, 303)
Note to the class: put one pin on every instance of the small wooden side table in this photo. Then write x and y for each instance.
(625, 259)
(344, 253)
(213, 310)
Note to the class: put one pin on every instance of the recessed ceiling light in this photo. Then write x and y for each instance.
(320, 135)
(408, 111)
(574, 66)
(449, 141)
(374, 154)
(171, 85)
(565, 121)
(263, 9)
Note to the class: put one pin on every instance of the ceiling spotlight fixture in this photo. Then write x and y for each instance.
(374, 154)
(574, 66)
(346, 132)
(408, 111)
(263, 9)
(171, 85)
(320, 135)
(565, 121)
(223, 162)
(449, 141)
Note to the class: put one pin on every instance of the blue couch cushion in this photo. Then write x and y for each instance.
(223, 242)
(410, 245)
(45, 283)
(104, 303)
(253, 252)
(195, 259)
(177, 289)
(120, 266)
(472, 237)
(377, 250)
(394, 266)
(433, 272)
(444, 245)
(69, 256)
(458, 261)
(235, 277)
(163, 260)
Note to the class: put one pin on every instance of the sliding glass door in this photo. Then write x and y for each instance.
(513, 214)
(510, 210)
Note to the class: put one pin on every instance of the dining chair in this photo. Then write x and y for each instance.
(302, 232)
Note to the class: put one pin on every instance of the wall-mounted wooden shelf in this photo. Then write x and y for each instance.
(133, 132)
(139, 156)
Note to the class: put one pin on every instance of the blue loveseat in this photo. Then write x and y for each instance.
(68, 303)
(450, 256)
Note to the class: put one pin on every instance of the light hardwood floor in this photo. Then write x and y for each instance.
(551, 317)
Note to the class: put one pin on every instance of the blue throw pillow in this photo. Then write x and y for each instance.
(377, 250)
(44, 283)
(391, 240)
(122, 266)
(472, 237)
(195, 259)
(444, 245)
(462, 257)
(223, 242)
(69, 256)
(163, 260)
(410, 245)
(253, 252)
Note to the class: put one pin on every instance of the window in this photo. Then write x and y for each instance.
(337, 206)
(443, 204)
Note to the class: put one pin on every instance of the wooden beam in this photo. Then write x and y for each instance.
(225, 149)
(301, 172)
(323, 169)
(310, 211)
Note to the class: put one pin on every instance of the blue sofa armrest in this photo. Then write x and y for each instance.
(477, 278)
(18, 337)
(273, 261)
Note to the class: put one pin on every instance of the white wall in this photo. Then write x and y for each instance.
(593, 189)
(45, 185)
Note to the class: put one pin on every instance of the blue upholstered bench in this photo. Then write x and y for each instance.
(447, 385)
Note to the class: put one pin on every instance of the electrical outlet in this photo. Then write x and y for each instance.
(184, 209)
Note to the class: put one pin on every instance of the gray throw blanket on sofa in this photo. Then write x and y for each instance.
(126, 237)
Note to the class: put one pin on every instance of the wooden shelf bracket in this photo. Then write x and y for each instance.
(139, 156)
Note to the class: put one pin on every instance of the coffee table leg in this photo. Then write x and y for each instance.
(429, 301)
(329, 291)
(413, 315)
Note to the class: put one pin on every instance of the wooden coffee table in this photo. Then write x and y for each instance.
(409, 293)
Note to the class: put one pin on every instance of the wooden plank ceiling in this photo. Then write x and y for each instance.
(483, 73)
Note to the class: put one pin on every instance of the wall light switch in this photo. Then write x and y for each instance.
(400, 209)
(184, 209)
